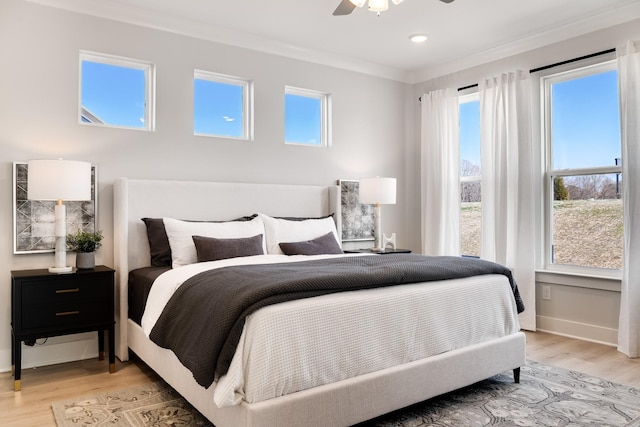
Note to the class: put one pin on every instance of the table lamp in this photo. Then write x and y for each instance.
(378, 191)
(59, 180)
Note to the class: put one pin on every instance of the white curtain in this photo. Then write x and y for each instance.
(508, 224)
(440, 171)
(629, 86)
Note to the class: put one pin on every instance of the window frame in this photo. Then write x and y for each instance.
(120, 61)
(576, 71)
(325, 115)
(247, 102)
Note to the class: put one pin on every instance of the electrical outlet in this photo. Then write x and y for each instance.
(546, 293)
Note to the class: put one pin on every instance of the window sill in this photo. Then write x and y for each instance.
(605, 283)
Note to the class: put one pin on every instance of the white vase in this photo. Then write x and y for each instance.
(85, 260)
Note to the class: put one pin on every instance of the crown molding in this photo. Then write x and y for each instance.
(118, 11)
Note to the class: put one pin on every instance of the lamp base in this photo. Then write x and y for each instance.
(60, 270)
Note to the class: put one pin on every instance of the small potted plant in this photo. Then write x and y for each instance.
(84, 244)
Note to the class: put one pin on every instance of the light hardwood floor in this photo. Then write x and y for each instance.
(31, 407)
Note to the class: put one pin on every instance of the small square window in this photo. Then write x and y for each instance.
(116, 92)
(221, 106)
(307, 117)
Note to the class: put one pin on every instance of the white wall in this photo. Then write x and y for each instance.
(372, 129)
(581, 307)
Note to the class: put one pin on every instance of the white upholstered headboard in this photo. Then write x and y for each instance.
(134, 199)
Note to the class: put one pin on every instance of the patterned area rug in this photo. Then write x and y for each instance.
(152, 404)
(546, 396)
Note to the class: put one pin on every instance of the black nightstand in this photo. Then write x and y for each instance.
(46, 304)
(383, 252)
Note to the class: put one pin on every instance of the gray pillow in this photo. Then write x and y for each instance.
(323, 245)
(212, 249)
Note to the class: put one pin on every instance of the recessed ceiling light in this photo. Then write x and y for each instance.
(418, 38)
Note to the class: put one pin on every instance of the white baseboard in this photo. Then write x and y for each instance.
(577, 330)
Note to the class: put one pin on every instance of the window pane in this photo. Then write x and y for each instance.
(470, 194)
(303, 120)
(587, 221)
(470, 218)
(113, 95)
(218, 108)
(470, 139)
(585, 121)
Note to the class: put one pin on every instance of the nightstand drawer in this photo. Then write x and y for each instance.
(48, 316)
(63, 291)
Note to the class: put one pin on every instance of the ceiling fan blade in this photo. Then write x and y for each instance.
(344, 8)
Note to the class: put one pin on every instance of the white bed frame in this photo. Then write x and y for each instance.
(343, 403)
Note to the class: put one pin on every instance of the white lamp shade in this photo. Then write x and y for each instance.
(58, 180)
(358, 3)
(377, 190)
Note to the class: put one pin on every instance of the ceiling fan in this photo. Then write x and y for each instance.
(346, 6)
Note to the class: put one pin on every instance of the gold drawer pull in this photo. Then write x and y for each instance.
(68, 313)
(67, 291)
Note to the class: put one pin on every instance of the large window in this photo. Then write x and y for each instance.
(582, 130)
(470, 175)
(116, 92)
(222, 106)
(307, 116)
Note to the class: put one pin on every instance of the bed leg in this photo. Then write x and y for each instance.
(516, 375)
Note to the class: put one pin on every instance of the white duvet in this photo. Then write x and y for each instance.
(301, 344)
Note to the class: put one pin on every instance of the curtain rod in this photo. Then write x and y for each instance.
(546, 67)
(569, 61)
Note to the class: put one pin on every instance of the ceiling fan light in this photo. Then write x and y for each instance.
(358, 3)
(397, 1)
(378, 5)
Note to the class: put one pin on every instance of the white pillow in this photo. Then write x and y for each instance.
(279, 230)
(183, 250)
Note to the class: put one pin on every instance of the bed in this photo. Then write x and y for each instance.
(334, 401)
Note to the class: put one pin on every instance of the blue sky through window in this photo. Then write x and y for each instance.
(469, 134)
(217, 108)
(586, 121)
(303, 119)
(115, 94)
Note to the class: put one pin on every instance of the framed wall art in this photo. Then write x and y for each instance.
(34, 221)
(357, 219)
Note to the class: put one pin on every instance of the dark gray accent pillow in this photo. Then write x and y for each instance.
(212, 249)
(323, 245)
(159, 242)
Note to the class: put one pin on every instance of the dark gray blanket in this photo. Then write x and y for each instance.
(203, 320)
